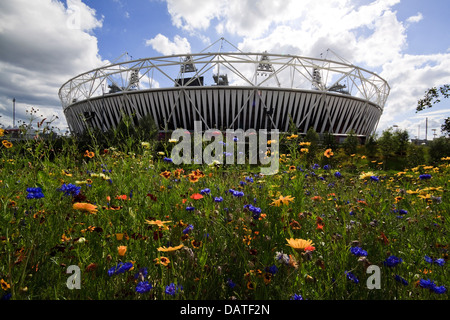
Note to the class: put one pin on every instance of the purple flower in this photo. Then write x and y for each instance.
(392, 261)
(218, 199)
(351, 277)
(296, 297)
(188, 229)
(401, 280)
(425, 176)
(357, 251)
(143, 287)
(172, 289)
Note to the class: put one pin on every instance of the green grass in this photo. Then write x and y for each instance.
(227, 244)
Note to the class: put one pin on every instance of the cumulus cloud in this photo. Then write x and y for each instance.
(369, 35)
(44, 43)
(162, 44)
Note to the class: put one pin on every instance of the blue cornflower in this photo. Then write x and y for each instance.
(439, 261)
(326, 167)
(272, 269)
(205, 191)
(236, 193)
(392, 261)
(218, 199)
(296, 297)
(142, 273)
(427, 284)
(249, 179)
(70, 189)
(315, 166)
(143, 287)
(374, 178)
(351, 277)
(230, 283)
(120, 268)
(172, 289)
(235, 139)
(242, 183)
(34, 193)
(337, 174)
(439, 289)
(401, 280)
(428, 259)
(403, 211)
(190, 208)
(167, 159)
(188, 229)
(425, 176)
(357, 251)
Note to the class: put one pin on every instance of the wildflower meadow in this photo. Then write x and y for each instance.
(95, 221)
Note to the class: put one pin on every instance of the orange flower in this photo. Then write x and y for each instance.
(89, 154)
(121, 250)
(193, 178)
(7, 144)
(85, 207)
(196, 244)
(162, 261)
(282, 200)
(165, 174)
(170, 249)
(196, 196)
(328, 153)
(316, 198)
(299, 244)
(158, 223)
(5, 285)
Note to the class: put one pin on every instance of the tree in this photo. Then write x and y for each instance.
(401, 138)
(351, 143)
(432, 96)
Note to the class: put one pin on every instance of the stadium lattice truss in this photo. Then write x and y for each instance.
(228, 90)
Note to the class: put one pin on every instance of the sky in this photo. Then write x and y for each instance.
(44, 43)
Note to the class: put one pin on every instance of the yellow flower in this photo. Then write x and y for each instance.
(173, 140)
(89, 154)
(158, 223)
(162, 261)
(282, 200)
(121, 250)
(7, 144)
(4, 284)
(366, 175)
(145, 145)
(170, 249)
(293, 136)
(85, 207)
(305, 150)
(299, 244)
(307, 144)
(2, 132)
(328, 153)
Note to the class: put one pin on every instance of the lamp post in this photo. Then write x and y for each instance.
(14, 112)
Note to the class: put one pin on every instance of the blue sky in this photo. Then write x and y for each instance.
(404, 41)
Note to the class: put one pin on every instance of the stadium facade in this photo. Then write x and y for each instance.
(228, 90)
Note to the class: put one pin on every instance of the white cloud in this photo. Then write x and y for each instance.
(44, 44)
(414, 19)
(162, 44)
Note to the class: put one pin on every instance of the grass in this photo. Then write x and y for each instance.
(235, 248)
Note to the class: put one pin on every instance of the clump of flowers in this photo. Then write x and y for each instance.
(70, 189)
(173, 289)
(35, 193)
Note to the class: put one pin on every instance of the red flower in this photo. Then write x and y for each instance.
(196, 196)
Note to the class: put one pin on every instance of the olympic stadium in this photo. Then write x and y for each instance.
(228, 90)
